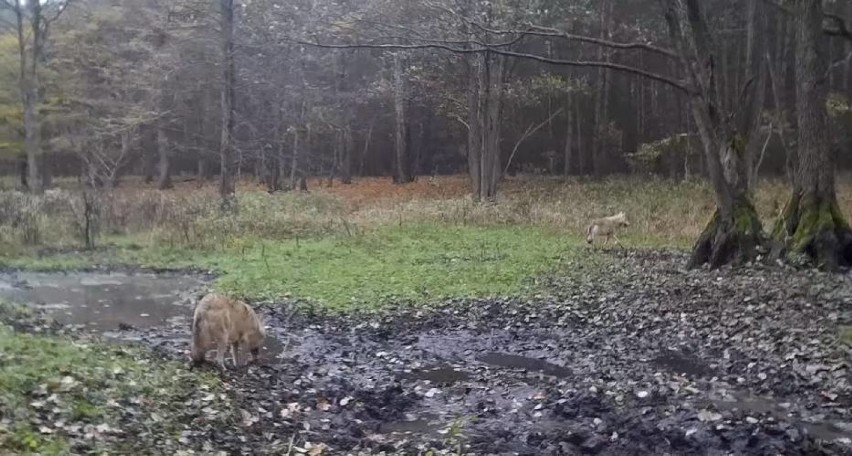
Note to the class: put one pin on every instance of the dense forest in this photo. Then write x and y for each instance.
(723, 89)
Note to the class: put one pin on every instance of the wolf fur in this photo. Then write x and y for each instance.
(220, 322)
(606, 227)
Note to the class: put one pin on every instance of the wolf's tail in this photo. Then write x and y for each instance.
(589, 237)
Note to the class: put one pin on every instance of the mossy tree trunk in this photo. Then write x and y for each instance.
(812, 222)
(734, 233)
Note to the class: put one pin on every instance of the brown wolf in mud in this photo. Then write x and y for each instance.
(220, 322)
(606, 227)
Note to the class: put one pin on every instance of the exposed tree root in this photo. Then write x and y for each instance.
(738, 239)
(815, 227)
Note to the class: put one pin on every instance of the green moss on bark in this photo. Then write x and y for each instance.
(816, 227)
(738, 239)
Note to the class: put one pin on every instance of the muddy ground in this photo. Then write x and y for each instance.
(651, 359)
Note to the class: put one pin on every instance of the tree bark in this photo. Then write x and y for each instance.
(30, 84)
(474, 120)
(756, 74)
(491, 89)
(581, 152)
(346, 156)
(569, 136)
(226, 181)
(601, 95)
(294, 163)
(401, 175)
(734, 233)
(812, 222)
(164, 181)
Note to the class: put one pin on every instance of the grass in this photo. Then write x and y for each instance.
(372, 242)
(54, 391)
(411, 263)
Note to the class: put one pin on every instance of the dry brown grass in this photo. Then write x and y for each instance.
(661, 212)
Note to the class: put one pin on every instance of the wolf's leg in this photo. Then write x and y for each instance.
(235, 348)
(221, 348)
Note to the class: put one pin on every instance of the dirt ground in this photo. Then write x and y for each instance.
(649, 359)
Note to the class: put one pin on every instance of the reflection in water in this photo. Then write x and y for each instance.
(102, 301)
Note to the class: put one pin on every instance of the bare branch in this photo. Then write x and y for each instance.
(529, 132)
(553, 32)
(842, 29)
(520, 55)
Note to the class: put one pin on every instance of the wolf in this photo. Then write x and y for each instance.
(606, 227)
(220, 322)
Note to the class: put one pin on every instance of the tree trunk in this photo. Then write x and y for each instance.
(601, 96)
(367, 139)
(164, 181)
(491, 90)
(294, 163)
(203, 169)
(581, 153)
(22, 172)
(734, 233)
(474, 120)
(226, 181)
(812, 222)
(756, 71)
(30, 84)
(569, 136)
(346, 156)
(401, 175)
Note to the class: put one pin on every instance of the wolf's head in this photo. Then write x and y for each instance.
(622, 219)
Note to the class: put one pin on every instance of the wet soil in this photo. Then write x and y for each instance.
(646, 359)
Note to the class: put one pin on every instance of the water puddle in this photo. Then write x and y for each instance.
(523, 362)
(439, 375)
(102, 301)
(679, 363)
(422, 425)
(825, 430)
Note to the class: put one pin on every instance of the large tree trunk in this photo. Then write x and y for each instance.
(30, 90)
(734, 233)
(492, 94)
(812, 222)
(226, 180)
(756, 74)
(599, 139)
(474, 120)
(401, 175)
(164, 181)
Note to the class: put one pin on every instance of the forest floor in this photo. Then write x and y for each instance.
(463, 330)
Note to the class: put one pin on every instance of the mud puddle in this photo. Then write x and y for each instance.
(103, 301)
(524, 363)
(784, 410)
(682, 364)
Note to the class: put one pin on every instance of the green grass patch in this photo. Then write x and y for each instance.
(409, 263)
(59, 396)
